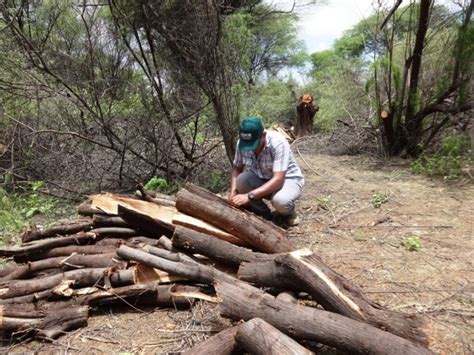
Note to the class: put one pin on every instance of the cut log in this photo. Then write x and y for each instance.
(99, 221)
(163, 215)
(222, 343)
(200, 273)
(165, 243)
(181, 219)
(88, 210)
(48, 323)
(330, 289)
(115, 232)
(46, 244)
(67, 228)
(261, 234)
(260, 338)
(199, 243)
(150, 294)
(74, 261)
(81, 278)
(150, 227)
(170, 255)
(242, 301)
(154, 197)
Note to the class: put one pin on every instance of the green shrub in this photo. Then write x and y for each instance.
(217, 182)
(448, 162)
(17, 209)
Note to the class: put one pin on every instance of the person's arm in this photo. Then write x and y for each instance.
(272, 185)
(236, 171)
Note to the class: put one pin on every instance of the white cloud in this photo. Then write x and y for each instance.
(320, 25)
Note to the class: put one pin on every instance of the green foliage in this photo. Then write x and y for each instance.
(448, 162)
(217, 181)
(379, 198)
(273, 101)
(17, 209)
(412, 243)
(157, 184)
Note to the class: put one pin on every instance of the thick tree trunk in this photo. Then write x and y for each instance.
(260, 338)
(67, 228)
(261, 234)
(302, 270)
(413, 126)
(246, 302)
(222, 343)
(216, 249)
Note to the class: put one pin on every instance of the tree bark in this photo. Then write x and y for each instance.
(43, 245)
(100, 221)
(73, 261)
(81, 278)
(260, 338)
(261, 234)
(245, 302)
(413, 126)
(222, 343)
(302, 270)
(214, 248)
(49, 322)
(154, 197)
(88, 210)
(70, 227)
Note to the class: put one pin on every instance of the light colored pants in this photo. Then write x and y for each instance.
(282, 200)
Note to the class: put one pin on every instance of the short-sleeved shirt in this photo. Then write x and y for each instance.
(276, 156)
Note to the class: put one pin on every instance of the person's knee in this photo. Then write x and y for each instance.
(243, 183)
(282, 204)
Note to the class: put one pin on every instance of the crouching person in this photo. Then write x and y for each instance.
(264, 168)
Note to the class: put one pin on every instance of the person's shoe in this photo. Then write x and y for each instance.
(292, 219)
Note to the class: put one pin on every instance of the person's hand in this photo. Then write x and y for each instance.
(240, 200)
(232, 194)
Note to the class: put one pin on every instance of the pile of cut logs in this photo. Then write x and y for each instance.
(155, 250)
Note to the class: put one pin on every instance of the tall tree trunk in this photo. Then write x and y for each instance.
(413, 126)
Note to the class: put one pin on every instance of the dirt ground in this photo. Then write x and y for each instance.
(365, 243)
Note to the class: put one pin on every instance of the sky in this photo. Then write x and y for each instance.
(320, 25)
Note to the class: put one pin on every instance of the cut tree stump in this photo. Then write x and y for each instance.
(242, 301)
(302, 270)
(260, 234)
(260, 338)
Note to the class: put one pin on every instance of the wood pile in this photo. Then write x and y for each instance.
(159, 252)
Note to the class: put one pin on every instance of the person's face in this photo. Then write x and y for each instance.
(261, 143)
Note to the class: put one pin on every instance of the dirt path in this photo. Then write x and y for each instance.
(364, 243)
(358, 240)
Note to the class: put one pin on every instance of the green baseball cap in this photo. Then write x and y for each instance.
(251, 130)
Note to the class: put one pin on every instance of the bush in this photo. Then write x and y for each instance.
(448, 162)
(17, 210)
